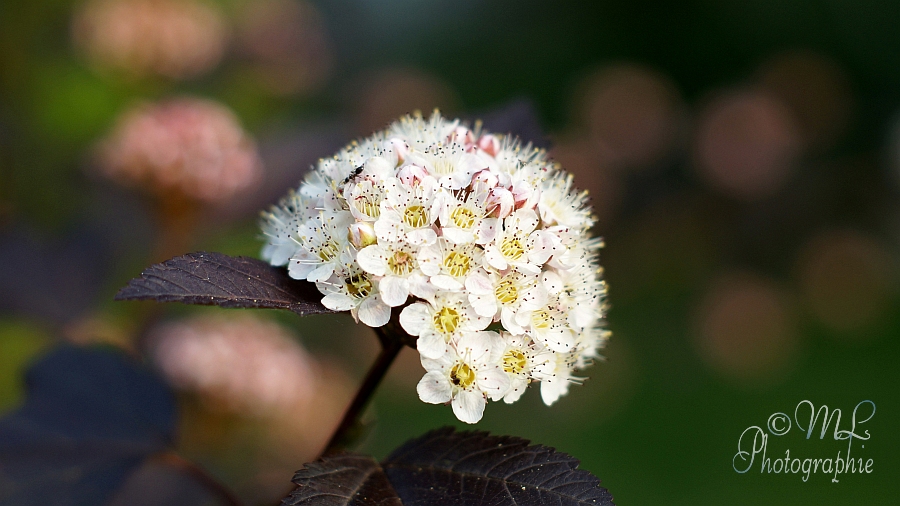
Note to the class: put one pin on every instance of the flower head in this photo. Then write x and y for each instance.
(193, 147)
(462, 231)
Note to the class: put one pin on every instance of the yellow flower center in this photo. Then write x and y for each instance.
(446, 320)
(329, 251)
(401, 263)
(541, 319)
(368, 205)
(444, 167)
(514, 361)
(358, 286)
(506, 291)
(462, 375)
(415, 217)
(457, 264)
(463, 217)
(511, 248)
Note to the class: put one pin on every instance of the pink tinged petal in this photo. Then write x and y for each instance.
(494, 258)
(485, 177)
(429, 259)
(468, 406)
(500, 202)
(445, 282)
(372, 259)
(434, 388)
(541, 247)
(421, 236)
(412, 174)
(338, 302)
(524, 220)
(479, 283)
(487, 230)
(374, 312)
(493, 381)
(416, 318)
(419, 286)
(533, 299)
(432, 345)
(489, 144)
(394, 290)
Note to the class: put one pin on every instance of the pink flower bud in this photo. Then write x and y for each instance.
(500, 202)
(489, 144)
(398, 147)
(412, 175)
(362, 234)
(461, 135)
(485, 177)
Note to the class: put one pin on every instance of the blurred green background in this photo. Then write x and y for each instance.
(744, 163)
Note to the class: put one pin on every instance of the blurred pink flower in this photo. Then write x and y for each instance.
(632, 114)
(286, 43)
(847, 279)
(171, 38)
(191, 146)
(746, 329)
(746, 144)
(248, 365)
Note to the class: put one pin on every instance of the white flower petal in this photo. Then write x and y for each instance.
(421, 236)
(446, 282)
(416, 318)
(394, 290)
(432, 345)
(493, 381)
(372, 259)
(338, 302)
(429, 259)
(434, 388)
(552, 389)
(494, 258)
(374, 312)
(468, 406)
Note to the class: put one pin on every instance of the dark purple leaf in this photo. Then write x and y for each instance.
(342, 480)
(91, 418)
(451, 469)
(215, 279)
(474, 468)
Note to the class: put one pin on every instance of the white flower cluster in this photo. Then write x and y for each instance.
(487, 239)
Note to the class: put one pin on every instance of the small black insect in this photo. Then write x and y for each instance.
(356, 172)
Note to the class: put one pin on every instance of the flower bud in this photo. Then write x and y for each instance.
(486, 177)
(411, 175)
(489, 144)
(361, 234)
